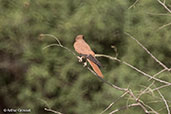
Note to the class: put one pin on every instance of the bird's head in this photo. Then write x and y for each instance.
(79, 37)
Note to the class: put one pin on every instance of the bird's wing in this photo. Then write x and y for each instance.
(83, 48)
(93, 59)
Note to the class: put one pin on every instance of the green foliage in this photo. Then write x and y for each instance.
(33, 78)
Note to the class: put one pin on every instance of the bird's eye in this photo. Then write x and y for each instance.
(83, 36)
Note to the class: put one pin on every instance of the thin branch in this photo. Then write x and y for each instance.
(164, 5)
(169, 69)
(164, 1)
(160, 87)
(50, 110)
(163, 26)
(129, 91)
(125, 107)
(115, 50)
(163, 108)
(52, 36)
(167, 107)
(50, 45)
(110, 105)
(144, 108)
(58, 43)
(158, 73)
(133, 5)
(145, 74)
(107, 56)
(108, 83)
(147, 51)
(155, 101)
(155, 89)
(141, 104)
(143, 92)
(152, 110)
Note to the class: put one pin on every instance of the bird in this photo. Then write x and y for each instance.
(84, 50)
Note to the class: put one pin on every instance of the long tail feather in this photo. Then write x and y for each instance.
(96, 68)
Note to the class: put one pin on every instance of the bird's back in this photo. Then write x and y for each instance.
(82, 47)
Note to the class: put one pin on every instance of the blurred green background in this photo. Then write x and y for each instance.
(33, 78)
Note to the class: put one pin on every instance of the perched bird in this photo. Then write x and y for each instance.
(82, 48)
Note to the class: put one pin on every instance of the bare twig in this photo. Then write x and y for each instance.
(145, 74)
(163, 108)
(143, 92)
(58, 43)
(152, 110)
(160, 87)
(157, 88)
(125, 107)
(110, 105)
(50, 110)
(155, 101)
(133, 5)
(158, 73)
(141, 103)
(50, 45)
(115, 50)
(108, 83)
(167, 106)
(52, 36)
(164, 5)
(144, 108)
(107, 56)
(147, 51)
(163, 26)
(129, 91)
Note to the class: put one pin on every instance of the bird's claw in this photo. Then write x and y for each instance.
(85, 64)
(80, 59)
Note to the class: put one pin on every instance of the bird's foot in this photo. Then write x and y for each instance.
(85, 64)
(80, 59)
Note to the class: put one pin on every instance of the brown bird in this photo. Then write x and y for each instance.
(82, 48)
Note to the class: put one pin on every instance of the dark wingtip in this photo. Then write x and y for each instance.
(90, 57)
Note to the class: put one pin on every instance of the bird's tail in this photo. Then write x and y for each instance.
(96, 68)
